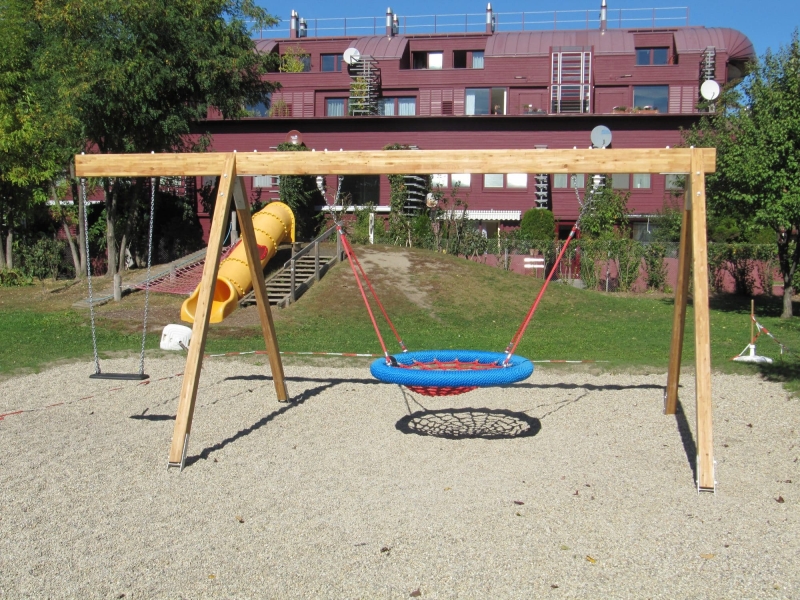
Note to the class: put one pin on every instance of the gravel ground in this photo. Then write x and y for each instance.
(568, 485)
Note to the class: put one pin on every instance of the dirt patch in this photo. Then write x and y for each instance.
(396, 269)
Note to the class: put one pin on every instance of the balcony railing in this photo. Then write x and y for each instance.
(629, 18)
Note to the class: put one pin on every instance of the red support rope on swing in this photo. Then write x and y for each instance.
(353, 260)
(512, 345)
(346, 243)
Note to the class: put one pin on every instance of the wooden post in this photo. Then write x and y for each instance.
(702, 334)
(679, 311)
(260, 289)
(194, 360)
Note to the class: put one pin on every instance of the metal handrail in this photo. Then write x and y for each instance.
(666, 16)
(314, 244)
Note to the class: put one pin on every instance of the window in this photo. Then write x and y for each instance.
(404, 107)
(407, 107)
(651, 97)
(620, 181)
(386, 107)
(266, 181)
(427, 60)
(257, 110)
(493, 180)
(652, 56)
(334, 107)
(362, 189)
(641, 181)
(439, 180)
(485, 101)
(576, 180)
(560, 180)
(477, 101)
(460, 179)
(465, 58)
(642, 232)
(517, 180)
(514, 181)
(331, 62)
(674, 182)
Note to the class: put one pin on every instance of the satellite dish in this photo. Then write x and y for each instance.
(709, 90)
(351, 56)
(294, 137)
(431, 201)
(601, 137)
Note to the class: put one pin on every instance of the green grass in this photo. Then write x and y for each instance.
(437, 302)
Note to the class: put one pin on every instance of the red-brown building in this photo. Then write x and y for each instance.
(491, 89)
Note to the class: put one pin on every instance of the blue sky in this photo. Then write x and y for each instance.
(768, 23)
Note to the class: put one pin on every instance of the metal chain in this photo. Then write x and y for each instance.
(89, 276)
(153, 183)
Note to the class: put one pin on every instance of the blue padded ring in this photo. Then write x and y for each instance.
(518, 368)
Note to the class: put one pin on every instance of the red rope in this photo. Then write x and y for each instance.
(346, 243)
(512, 345)
(347, 250)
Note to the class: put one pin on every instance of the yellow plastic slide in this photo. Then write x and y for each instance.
(274, 225)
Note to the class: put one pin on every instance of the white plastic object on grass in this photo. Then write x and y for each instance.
(752, 357)
(174, 335)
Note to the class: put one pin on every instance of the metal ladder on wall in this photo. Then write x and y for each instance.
(708, 64)
(365, 86)
(542, 183)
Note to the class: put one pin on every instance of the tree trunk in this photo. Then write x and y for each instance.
(76, 259)
(788, 292)
(123, 245)
(2, 254)
(110, 193)
(9, 247)
(80, 202)
(78, 199)
(788, 263)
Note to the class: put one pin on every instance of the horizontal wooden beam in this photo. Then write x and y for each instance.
(149, 165)
(386, 162)
(421, 162)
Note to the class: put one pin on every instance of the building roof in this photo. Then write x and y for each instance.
(265, 46)
(381, 46)
(617, 41)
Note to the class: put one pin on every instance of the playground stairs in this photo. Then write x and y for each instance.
(300, 272)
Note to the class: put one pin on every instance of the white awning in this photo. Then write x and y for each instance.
(494, 215)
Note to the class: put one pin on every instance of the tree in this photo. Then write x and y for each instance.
(39, 130)
(756, 130)
(139, 73)
(300, 193)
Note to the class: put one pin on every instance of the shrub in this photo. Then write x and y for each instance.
(537, 224)
(13, 278)
(43, 258)
(654, 266)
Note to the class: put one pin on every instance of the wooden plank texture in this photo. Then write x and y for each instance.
(702, 337)
(679, 311)
(194, 360)
(676, 160)
(149, 165)
(384, 162)
(260, 290)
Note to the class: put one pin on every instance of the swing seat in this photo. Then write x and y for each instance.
(120, 376)
(451, 372)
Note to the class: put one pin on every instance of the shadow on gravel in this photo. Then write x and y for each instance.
(687, 439)
(295, 402)
(470, 423)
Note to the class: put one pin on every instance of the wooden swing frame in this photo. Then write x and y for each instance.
(230, 167)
